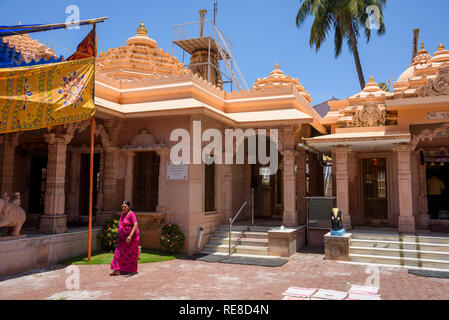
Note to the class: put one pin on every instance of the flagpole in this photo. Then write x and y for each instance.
(91, 169)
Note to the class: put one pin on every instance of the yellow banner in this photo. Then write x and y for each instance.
(46, 95)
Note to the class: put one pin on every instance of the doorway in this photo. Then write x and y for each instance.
(38, 178)
(84, 183)
(438, 190)
(375, 193)
(146, 181)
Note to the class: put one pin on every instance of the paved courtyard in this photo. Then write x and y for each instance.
(185, 279)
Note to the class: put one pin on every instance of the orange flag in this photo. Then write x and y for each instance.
(85, 48)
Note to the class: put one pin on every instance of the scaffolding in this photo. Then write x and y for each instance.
(204, 35)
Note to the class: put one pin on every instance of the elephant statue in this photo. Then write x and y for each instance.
(11, 214)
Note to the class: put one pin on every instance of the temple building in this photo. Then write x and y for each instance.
(142, 95)
(383, 147)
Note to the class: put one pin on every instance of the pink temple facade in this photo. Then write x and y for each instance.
(382, 148)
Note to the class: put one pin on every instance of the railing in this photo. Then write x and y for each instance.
(318, 212)
(232, 220)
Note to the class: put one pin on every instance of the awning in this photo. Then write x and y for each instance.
(369, 140)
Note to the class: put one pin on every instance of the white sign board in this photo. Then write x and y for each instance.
(438, 115)
(177, 171)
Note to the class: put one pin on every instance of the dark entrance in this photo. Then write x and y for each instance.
(375, 199)
(38, 178)
(438, 190)
(146, 181)
(84, 183)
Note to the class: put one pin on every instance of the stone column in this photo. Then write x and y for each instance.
(164, 158)
(100, 193)
(227, 191)
(301, 186)
(109, 185)
(406, 218)
(129, 178)
(424, 216)
(342, 183)
(54, 220)
(290, 217)
(74, 186)
(8, 146)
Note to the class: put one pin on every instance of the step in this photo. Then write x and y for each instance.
(236, 241)
(426, 255)
(255, 242)
(375, 236)
(409, 262)
(396, 237)
(397, 245)
(240, 249)
(244, 228)
(251, 250)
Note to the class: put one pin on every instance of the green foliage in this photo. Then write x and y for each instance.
(108, 235)
(146, 256)
(346, 18)
(172, 238)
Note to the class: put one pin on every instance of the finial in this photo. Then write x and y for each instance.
(142, 29)
(20, 23)
(276, 66)
(422, 45)
(441, 47)
(202, 13)
(371, 79)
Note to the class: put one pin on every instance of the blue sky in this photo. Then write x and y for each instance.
(262, 32)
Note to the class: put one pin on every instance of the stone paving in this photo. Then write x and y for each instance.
(185, 279)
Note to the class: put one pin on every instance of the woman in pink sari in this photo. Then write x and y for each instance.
(127, 251)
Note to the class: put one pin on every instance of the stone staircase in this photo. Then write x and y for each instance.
(392, 249)
(247, 240)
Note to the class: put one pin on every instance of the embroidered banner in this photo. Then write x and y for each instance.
(46, 95)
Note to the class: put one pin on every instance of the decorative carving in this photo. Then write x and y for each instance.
(11, 214)
(144, 138)
(439, 86)
(371, 115)
(442, 131)
(145, 141)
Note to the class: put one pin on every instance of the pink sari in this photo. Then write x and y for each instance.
(126, 254)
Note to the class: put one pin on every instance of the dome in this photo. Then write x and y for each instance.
(441, 55)
(407, 74)
(278, 79)
(371, 89)
(139, 59)
(422, 57)
(142, 38)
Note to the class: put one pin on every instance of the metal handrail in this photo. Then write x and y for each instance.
(232, 220)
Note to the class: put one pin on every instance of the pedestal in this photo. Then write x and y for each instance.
(282, 243)
(337, 248)
(53, 223)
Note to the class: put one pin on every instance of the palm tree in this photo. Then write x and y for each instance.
(348, 18)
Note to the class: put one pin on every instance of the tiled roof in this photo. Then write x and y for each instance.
(323, 108)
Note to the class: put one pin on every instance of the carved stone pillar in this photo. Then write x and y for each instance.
(100, 193)
(54, 220)
(290, 217)
(301, 186)
(406, 218)
(109, 182)
(8, 144)
(74, 186)
(227, 191)
(424, 215)
(129, 178)
(164, 158)
(342, 183)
